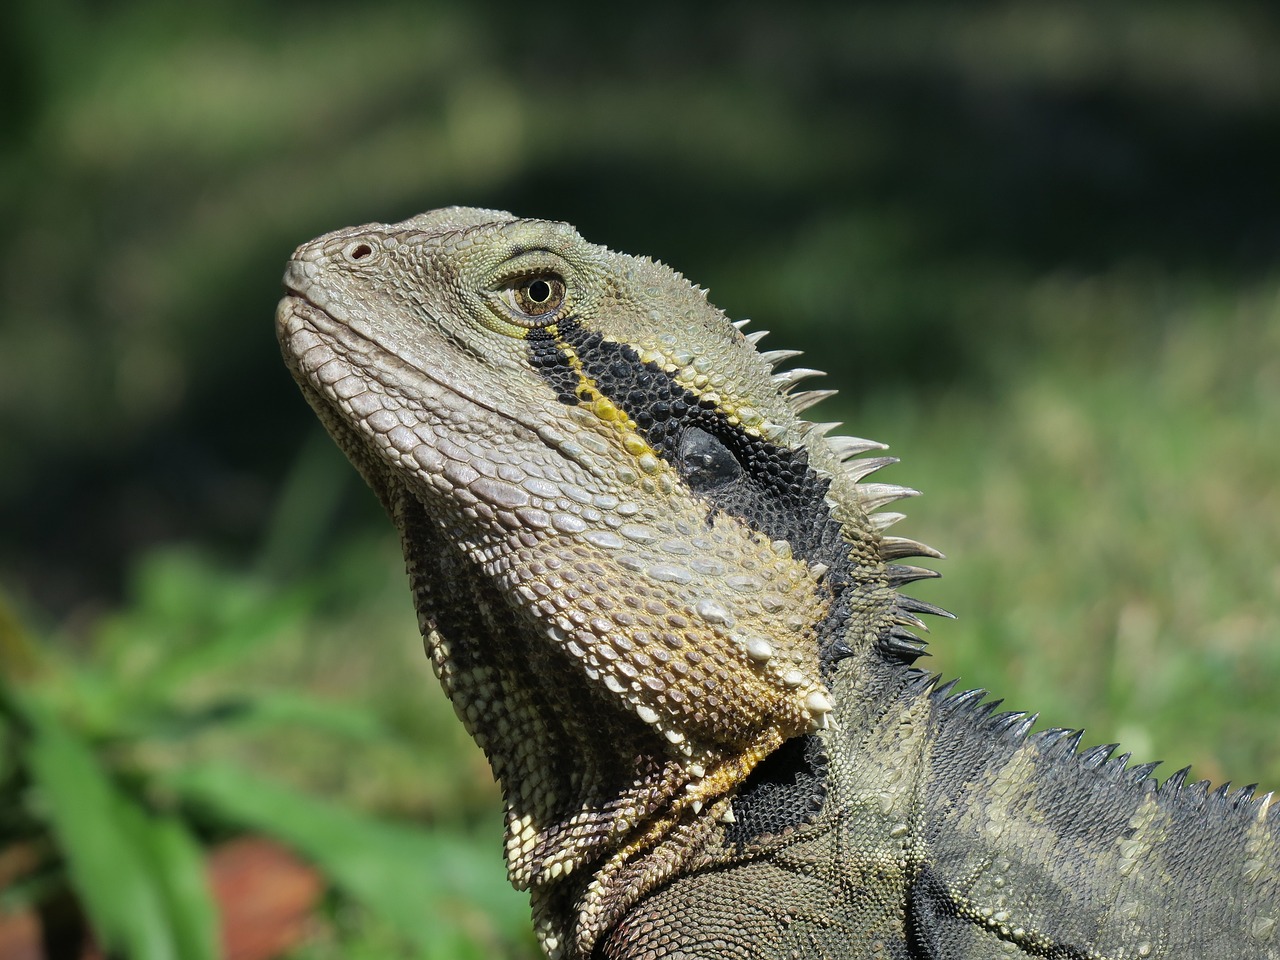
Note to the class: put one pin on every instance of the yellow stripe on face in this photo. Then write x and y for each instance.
(712, 387)
(609, 413)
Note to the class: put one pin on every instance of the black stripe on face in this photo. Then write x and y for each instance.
(552, 363)
(776, 492)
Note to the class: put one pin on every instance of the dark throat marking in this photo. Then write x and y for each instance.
(785, 790)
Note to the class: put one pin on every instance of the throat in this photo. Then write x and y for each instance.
(580, 777)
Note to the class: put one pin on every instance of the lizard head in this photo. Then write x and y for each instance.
(636, 565)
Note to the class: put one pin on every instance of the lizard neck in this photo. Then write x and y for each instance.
(592, 822)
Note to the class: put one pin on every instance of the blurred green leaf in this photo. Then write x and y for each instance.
(139, 879)
(19, 654)
(234, 643)
(306, 506)
(430, 886)
(258, 713)
(194, 619)
(178, 869)
(336, 717)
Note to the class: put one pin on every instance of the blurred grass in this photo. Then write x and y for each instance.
(1035, 245)
(212, 705)
(1113, 528)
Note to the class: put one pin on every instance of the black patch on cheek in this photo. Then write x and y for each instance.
(552, 363)
(778, 493)
(784, 791)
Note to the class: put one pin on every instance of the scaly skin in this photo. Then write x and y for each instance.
(667, 609)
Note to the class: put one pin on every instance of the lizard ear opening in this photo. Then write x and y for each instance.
(705, 462)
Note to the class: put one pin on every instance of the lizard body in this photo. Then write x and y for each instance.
(668, 609)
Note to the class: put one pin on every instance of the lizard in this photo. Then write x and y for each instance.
(669, 609)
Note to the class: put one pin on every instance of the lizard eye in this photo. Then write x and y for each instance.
(705, 462)
(536, 298)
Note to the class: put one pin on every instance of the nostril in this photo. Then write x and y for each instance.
(358, 251)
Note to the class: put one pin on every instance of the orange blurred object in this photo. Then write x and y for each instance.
(264, 895)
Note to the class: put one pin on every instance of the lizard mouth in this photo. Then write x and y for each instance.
(408, 409)
(338, 355)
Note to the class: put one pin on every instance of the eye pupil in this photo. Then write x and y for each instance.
(536, 298)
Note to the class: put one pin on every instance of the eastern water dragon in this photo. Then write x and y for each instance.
(668, 608)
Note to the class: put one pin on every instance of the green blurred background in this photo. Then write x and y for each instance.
(1035, 244)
